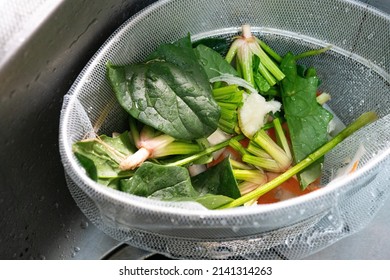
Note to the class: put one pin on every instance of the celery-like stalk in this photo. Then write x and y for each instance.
(281, 137)
(264, 163)
(177, 148)
(237, 146)
(247, 187)
(262, 139)
(266, 74)
(244, 59)
(363, 120)
(226, 90)
(205, 152)
(269, 50)
(239, 165)
(247, 45)
(255, 176)
(229, 98)
(256, 150)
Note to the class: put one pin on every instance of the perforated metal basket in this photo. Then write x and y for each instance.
(356, 71)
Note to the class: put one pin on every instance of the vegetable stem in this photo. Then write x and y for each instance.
(177, 148)
(269, 51)
(281, 137)
(266, 60)
(244, 59)
(232, 51)
(237, 146)
(266, 74)
(262, 139)
(264, 163)
(312, 52)
(205, 152)
(256, 150)
(363, 120)
(254, 176)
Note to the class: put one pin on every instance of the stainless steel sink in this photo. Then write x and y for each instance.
(41, 53)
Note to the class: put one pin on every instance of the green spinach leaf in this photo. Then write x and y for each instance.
(307, 120)
(218, 179)
(100, 158)
(220, 45)
(212, 201)
(173, 183)
(159, 181)
(213, 63)
(184, 42)
(170, 92)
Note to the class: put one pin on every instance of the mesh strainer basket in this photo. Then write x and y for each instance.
(356, 71)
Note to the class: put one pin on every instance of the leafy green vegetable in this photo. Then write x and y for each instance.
(213, 63)
(218, 179)
(101, 156)
(159, 181)
(184, 42)
(212, 201)
(307, 120)
(173, 183)
(169, 92)
(220, 45)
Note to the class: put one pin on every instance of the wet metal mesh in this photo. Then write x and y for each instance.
(356, 72)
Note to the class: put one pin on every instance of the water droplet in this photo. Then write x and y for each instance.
(204, 61)
(289, 241)
(153, 77)
(141, 104)
(42, 257)
(191, 89)
(369, 37)
(76, 249)
(84, 224)
(235, 228)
